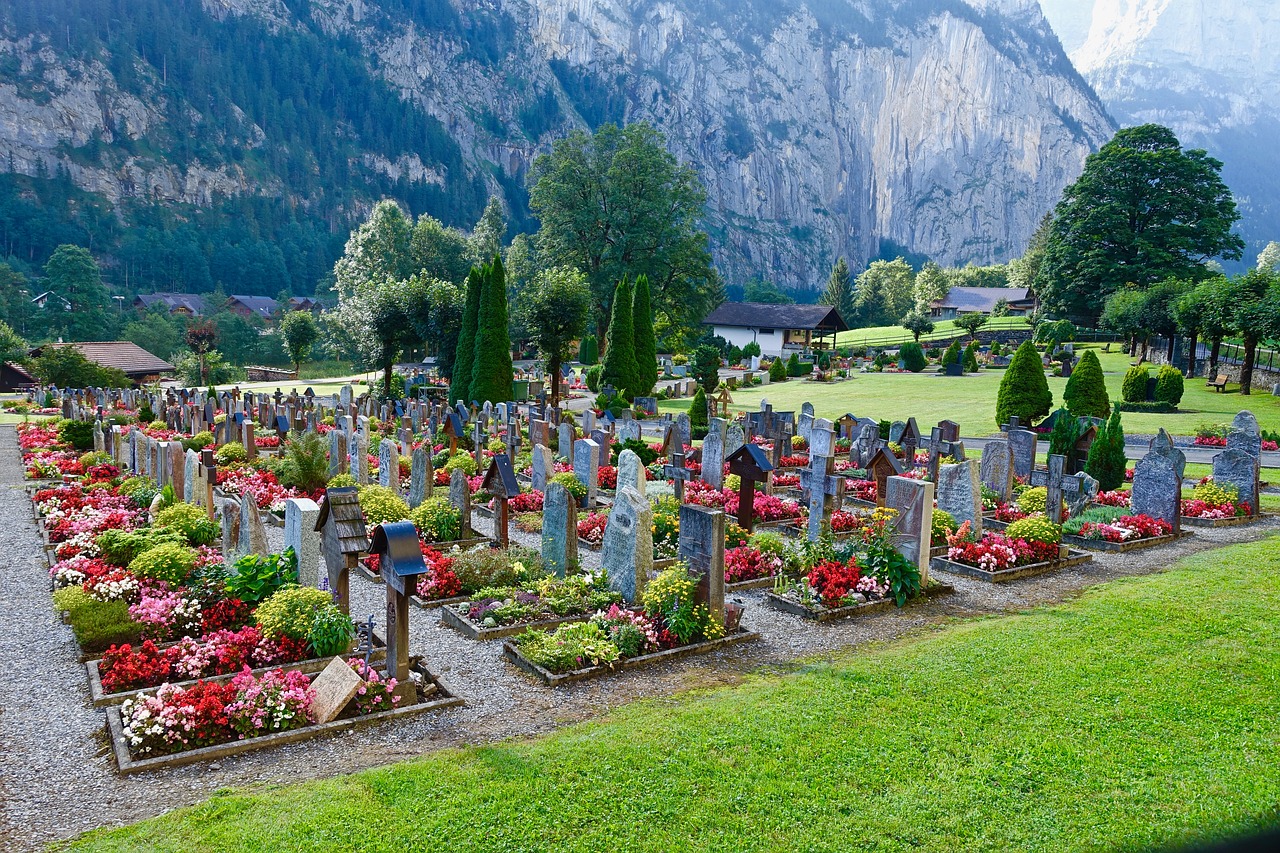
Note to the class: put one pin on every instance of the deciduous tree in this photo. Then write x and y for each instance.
(300, 335)
(556, 305)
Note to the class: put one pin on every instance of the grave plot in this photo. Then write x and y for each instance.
(538, 603)
(680, 611)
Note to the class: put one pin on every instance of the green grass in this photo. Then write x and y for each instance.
(883, 336)
(1147, 712)
(971, 400)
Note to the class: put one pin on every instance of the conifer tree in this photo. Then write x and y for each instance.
(645, 344)
(620, 353)
(491, 377)
(1106, 462)
(839, 293)
(698, 422)
(971, 357)
(465, 355)
(1024, 391)
(1086, 392)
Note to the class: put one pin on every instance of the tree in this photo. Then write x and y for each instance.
(490, 232)
(931, 284)
(698, 418)
(1122, 314)
(1158, 315)
(839, 292)
(300, 335)
(765, 292)
(1023, 271)
(620, 353)
(65, 366)
(492, 375)
(1206, 304)
(1106, 462)
(912, 357)
(616, 204)
(1064, 435)
(970, 323)
(777, 370)
(952, 354)
(645, 345)
(1143, 211)
(202, 338)
(705, 367)
(917, 323)
(437, 252)
(1251, 304)
(885, 292)
(589, 350)
(436, 318)
(377, 250)
(793, 366)
(1086, 391)
(464, 359)
(1001, 308)
(1269, 257)
(1055, 333)
(1024, 391)
(556, 307)
(12, 346)
(971, 357)
(73, 274)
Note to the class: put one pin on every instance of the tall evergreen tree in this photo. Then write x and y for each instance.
(620, 354)
(491, 377)
(1086, 392)
(465, 358)
(646, 345)
(1106, 462)
(1024, 391)
(839, 292)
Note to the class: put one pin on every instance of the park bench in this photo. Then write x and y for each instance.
(1220, 383)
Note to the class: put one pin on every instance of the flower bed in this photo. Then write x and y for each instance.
(818, 612)
(861, 491)
(504, 612)
(552, 679)
(591, 530)
(1212, 505)
(1117, 533)
(746, 567)
(1031, 547)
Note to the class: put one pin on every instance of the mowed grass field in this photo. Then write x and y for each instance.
(1144, 713)
(971, 400)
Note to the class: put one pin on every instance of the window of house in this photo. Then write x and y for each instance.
(765, 332)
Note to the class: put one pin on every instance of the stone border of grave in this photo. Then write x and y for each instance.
(757, 524)
(455, 619)
(827, 614)
(1074, 557)
(755, 583)
(129, 765)
(98, 699)
(552, 679)
(1123, 547)
(1191, 521)
(437, 603)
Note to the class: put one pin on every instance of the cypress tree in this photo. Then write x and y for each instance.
(698, 422)
(953, 353)
(1024, 391)
(645, 344)
(492, 375)
(1106, 462)
(1086, 393)
(620, 354)
(971, 357)
(588, 350)
(464, 358)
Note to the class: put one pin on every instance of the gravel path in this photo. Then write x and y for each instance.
(56, 776)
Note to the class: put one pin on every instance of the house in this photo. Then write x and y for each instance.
(186, 304)
(135, 362)
(48, 297)
(14, 377)
(778, 329)
(305, 303)
(982, 300)
(262, 307)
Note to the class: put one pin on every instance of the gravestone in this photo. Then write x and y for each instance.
(1238, 468)
(1157, 489)
(253, 536)
(960, 494)
(543, 467)
(421, 477)
(400, 564)
(1162, 445)
(229, 515)
(713, 454)
(334, 688)
(343, 540)
(629, 430)
(586, 467)
(460, 499)
(300, 516)
(564, 434)
(559, 529)
(913, 525)
(627, 554)
(702, 549)
(910, 442)
(750, 464)
(734, 438)
(684, 429)
(190, 469)
(389, 465)
(882, 466)
(1245, 435)
(896, 429)
(1022, 446)
(950, 430)
(997, 468)
(337, 453)
(676, 473)
(361, 460)
(631, 472)
(823, 487)
(500, 481)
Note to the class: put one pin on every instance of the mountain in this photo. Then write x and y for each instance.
(821, 128)
(1206, 70)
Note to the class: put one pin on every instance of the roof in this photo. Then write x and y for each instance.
(348, 520)
(262, 305)
(124, 355)
(981, 299)
(192, 302)
(754, 315)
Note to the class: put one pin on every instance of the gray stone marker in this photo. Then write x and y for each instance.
(1022, 445)
(960, 494)
(460, 498)
(713, 454)
(913, 526)
(564, 435)
(1162, 445)
(338, 463)
(586, 467)
(631, 472)
(734, 438)
(1157, 489)
(543, 467)
(229, 515)
(629, 430)
(684, 430)
(253, 536)
(702, 548)
(300, 516)
(420, 477)
(389, 464)
(627, 555)
(996, 468)
(361, 461)
(1245, 435)
(559, 529)
(1240, 469)
(190, 469)
(176, 468)
(823, 487)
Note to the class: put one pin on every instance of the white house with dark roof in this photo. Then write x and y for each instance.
(982, 300)
(778, 329)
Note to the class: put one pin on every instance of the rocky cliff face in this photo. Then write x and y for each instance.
(840, 127)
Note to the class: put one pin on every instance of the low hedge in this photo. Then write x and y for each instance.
(98, 625)
(1160, 408)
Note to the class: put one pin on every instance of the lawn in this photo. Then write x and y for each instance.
(971, 400)
(892, 336)
(1144, 713)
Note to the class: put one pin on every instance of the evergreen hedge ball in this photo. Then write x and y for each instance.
(1169, 385)
(1024, 390)
(1086, 392)
(777, 371)
(952, 355)
(912, 355)
(1134, 387)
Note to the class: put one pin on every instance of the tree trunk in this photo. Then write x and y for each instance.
(386, 378)
(1246, 369)
(1173, 339)
(1191, 355)
(1213, 358)
(553, 367)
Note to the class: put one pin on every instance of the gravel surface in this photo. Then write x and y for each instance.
(57, 777)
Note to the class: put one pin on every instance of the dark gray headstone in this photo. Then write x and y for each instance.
(1240, 469)
(627, 555)
(1157, 489)
(960, 494)
(997, 468)
(559, 529)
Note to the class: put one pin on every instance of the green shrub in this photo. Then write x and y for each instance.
(637, 446)
(593, 378)
(698, 417)
(71, 598)
(1033, 499)
(168, 562)
(589, 350)
(1024, 391)
(437, 520)
(99, 625)
(1036, 528)
(291, 611)
(229, 454)
(122, 547)
(78, 434)
(777, 371)
(305, 464)
(944, 524)
(331, 631)
(199, 441)
(1086, 391)
(912, 356)
(1134, 387)
(671, 594)
(141, 490)
(1169, 385)
(793, 365)
(1065, 434)
(380, 503)
(971, 358)
(339, 481)
(257, 578)
(568, 647)
(1107, 462)
(1092, 515)
(462, 460)
(1147, 408)
(953, 354)
(491, 567)
(191, 521)
(575, 486)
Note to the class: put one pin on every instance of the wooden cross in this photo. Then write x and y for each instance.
(210, 466)
(677, 473)
(500, 481)
(820, 481)
(1058, 483)
(752, 466)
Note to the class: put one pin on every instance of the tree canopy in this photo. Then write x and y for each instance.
(1143, 211)
(885, 292)
(839, 292)
(555, 310)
